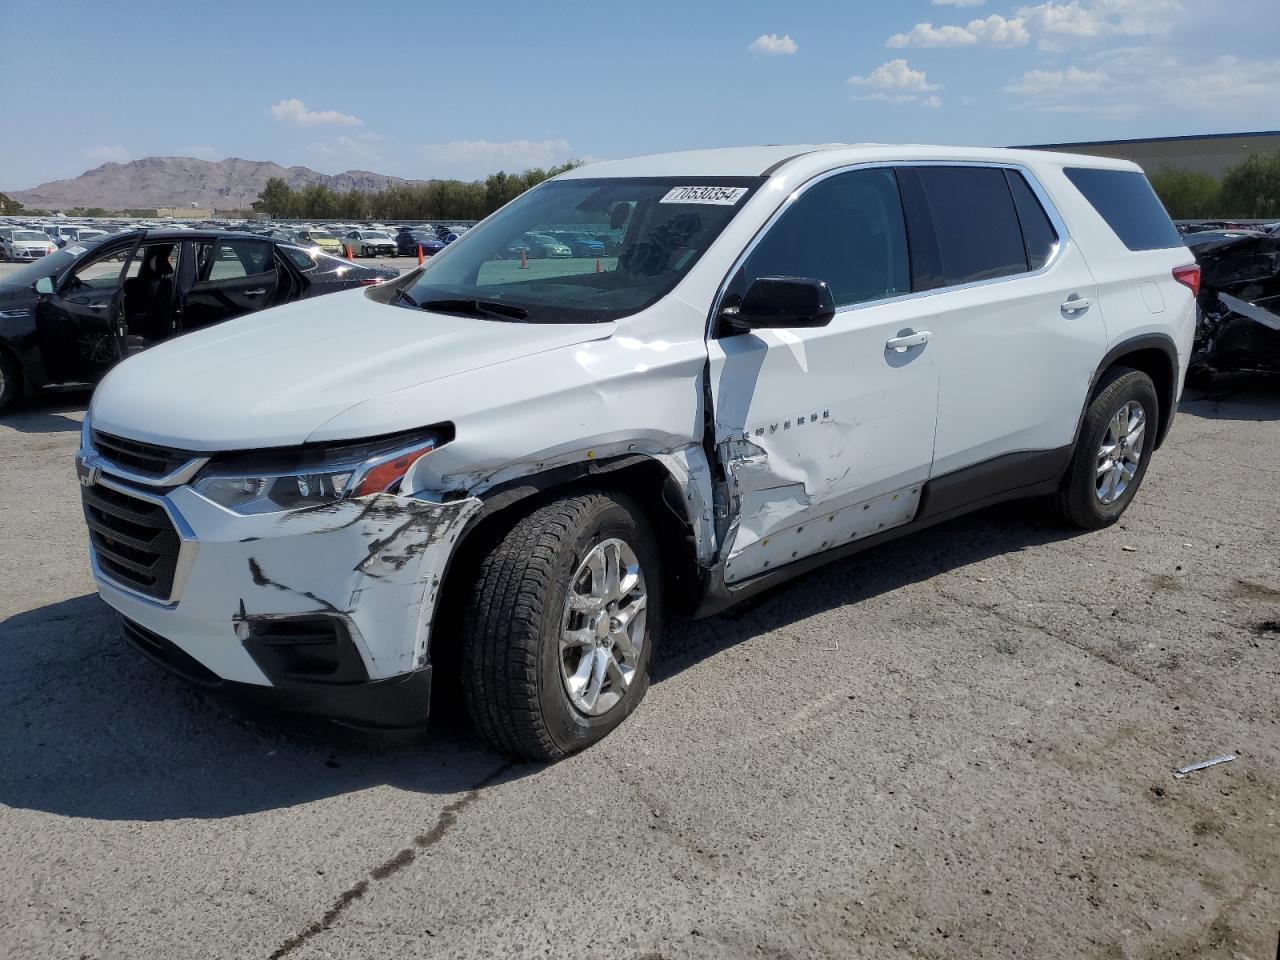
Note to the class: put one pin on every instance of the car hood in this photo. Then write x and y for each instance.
(15, 295)
(272, 379)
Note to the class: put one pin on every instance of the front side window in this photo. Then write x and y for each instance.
(650, 233)
(100, 273)
(975, 231)
(846, 230)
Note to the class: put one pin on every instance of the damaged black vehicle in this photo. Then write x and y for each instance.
(1238, 322)
(72, 315)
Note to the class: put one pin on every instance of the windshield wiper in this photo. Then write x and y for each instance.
(403, 294)
(477, 308)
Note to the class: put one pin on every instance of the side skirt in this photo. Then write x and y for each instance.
(1014, 476)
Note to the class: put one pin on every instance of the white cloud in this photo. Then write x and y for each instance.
(1133, 81)
(471, 159)
(295, 112)
(897, 76)
(1072, 80)
(1058, 23)
(896, 82)
(995, 30)
(105, 154)
(199, 152)
(958, 3)
(772, 45)
(1226, 85)
(361, 150)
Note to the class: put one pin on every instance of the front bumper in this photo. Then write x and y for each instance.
(370, 567)
(401, 702)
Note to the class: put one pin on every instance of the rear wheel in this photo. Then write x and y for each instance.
(1113, 451)
(563, 614)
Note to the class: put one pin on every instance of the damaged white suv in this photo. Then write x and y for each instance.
(515, 466)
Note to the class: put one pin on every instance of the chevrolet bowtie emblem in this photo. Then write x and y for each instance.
(87, 475)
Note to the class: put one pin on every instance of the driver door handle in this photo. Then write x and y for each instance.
(255, 293)
(1075, 304)
(97, 306)
(908, 340)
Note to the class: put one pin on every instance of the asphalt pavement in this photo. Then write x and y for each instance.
(957, 745)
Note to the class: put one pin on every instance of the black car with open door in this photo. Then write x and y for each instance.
(70, 316)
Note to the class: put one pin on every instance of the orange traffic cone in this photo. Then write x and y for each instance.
(524, 259)
(350, 252)
(599, 269)
(421, 258)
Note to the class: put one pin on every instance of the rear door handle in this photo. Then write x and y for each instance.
(908, 340)
(1075, 304)
(97, 306)
(255, 293)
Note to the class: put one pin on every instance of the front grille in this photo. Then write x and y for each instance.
(135, 541)
(145, 458)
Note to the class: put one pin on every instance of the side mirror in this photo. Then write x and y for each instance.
(783, 302)
(44, 286)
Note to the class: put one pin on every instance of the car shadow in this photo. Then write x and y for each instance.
(1234, 396)
(89, 728)
(48, 412)
(882, 569)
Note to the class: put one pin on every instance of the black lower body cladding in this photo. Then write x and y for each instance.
(396, 703)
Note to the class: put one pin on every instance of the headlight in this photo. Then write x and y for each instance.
(291, 480)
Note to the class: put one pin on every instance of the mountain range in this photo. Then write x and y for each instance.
(230, 184)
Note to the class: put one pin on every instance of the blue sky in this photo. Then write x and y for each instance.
(433, 90)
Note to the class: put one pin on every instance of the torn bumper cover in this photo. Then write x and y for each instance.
(1238, 324)
(324, 610)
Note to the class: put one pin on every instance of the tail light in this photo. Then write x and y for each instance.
(1189, 277)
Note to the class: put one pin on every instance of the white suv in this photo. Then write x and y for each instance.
(517, 471)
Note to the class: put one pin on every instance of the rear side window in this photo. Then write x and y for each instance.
(1038, 235)
(230, 259)
(846, 230)
(975, 231)
(1131, 208)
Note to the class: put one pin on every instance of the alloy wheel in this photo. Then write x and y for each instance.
(602, 632)
(1120, 453)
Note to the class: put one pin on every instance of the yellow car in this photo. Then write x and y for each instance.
(326, 241)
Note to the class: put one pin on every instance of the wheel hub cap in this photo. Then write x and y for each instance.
(602, 631)
(1120, 453)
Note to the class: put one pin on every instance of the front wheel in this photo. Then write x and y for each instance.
(560, 626)
(1113, 451)
(10, 381)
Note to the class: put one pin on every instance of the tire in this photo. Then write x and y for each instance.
(10, 381)
(513, 675)
(1082, 501)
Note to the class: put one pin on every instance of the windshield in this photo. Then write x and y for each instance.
(44, 267)
(640, 237)
(30, 235)
(376, 235)
(320, 235)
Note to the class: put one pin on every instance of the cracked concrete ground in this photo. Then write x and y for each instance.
(958, 745)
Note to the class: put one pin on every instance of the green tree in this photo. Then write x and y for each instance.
(277, 199)
(1252, 187)
(9, 206)
(1187, 194)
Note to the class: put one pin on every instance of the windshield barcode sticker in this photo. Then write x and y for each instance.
(721, 196)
